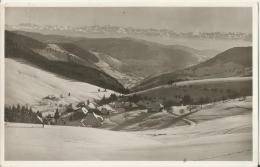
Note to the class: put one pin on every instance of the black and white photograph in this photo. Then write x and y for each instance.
(129, 83)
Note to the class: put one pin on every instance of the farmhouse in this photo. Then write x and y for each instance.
(144, 103)
(152, 106)
(88, 106)
(91, 119)
(179, 110)
(81, 104)
(106, 109)
(155, 107)
(91, 106)
(117, 104)
(121, 106)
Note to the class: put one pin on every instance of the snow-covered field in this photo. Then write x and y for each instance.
(223, 138)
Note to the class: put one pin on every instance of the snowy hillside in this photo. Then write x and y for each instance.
(26, 84)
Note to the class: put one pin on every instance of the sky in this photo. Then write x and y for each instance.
(180, 19)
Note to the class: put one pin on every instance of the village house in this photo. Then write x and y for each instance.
(179, 110)
(155, 107)
(106, 109)
(144, 103)
(120, 106)
(92, 120)
(151, 105)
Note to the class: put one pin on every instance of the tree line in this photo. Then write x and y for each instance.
(20, 113)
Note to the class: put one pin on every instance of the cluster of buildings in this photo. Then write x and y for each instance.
(93, 115)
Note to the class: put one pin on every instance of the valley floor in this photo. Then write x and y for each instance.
(216, 137)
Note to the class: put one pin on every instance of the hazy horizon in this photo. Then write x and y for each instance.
(180, 19)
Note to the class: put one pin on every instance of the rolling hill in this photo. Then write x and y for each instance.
(234, 62)
(140, 58)
(54, 59)
(201, 55)
(48, 38)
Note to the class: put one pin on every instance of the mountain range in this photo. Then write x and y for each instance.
(127, 31)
